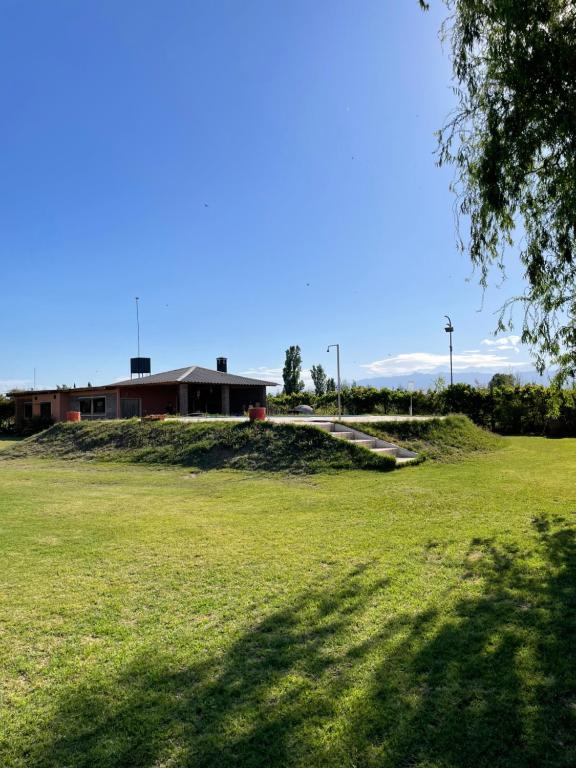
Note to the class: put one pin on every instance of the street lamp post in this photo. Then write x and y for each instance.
(411, 386)
(337, 374)
(450, 330)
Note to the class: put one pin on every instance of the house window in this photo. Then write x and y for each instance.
(27, 410)
(99, 405)
(92, 406)
(45, 410)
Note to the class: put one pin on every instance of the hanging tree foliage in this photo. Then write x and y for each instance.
(512, 142)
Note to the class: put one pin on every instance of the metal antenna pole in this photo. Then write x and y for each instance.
(138, 324)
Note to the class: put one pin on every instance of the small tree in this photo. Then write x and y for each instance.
(503, 380)
(319, 378)
(330, 385)
(439, 384)
(292, 371)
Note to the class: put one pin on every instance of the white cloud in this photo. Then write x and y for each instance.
(427, 362)
(503, 343)
(264, 373)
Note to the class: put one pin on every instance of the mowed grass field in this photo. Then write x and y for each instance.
(424, 617)
(8, 442)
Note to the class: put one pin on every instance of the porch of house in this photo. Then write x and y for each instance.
(183, 399)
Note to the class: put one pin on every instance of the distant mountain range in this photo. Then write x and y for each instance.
(426, 380)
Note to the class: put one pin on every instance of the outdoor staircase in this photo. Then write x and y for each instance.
(373, 444)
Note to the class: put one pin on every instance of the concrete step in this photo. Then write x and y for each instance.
(374, 444)
(327, 426)
(366, 443)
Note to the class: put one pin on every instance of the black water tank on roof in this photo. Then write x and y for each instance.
(140, 365)
(222, 364)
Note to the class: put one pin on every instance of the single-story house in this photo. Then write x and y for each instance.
(185, 390)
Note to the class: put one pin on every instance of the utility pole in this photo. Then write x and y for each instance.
(337, 374)
(450, 330)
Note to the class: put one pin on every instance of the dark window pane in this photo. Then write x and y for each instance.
(99, 405)
(85, 406)
(27, 410)
(45, 410)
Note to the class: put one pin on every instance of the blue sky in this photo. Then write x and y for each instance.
(259, 173)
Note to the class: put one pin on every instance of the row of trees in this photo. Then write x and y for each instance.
(528, 409)
(293, 384)
(292, 375)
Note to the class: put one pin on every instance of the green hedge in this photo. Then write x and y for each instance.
(530, 409)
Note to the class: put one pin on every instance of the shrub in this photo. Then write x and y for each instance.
(6, 414)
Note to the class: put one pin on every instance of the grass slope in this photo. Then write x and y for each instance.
(445, 440)
(235, 620)
(265, 446)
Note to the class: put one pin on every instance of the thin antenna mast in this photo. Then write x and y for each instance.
(139, 365)
(138, 324)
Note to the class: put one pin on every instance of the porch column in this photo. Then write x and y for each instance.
(226, 399)
(183, 399)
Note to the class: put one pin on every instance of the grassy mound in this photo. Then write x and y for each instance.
(264, 446)
(444, 440)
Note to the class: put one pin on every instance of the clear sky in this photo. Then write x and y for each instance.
(260, 173)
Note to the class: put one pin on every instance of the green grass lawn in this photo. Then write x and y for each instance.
(8, 442)
(422, 618)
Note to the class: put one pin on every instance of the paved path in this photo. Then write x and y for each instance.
(305, 419)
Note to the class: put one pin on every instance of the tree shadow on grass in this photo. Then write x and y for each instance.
(494, 683)
(240, 710)
(326, 682)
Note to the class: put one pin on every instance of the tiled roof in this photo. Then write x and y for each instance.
(194, 375)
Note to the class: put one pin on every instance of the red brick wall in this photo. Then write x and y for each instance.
(154, 399)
